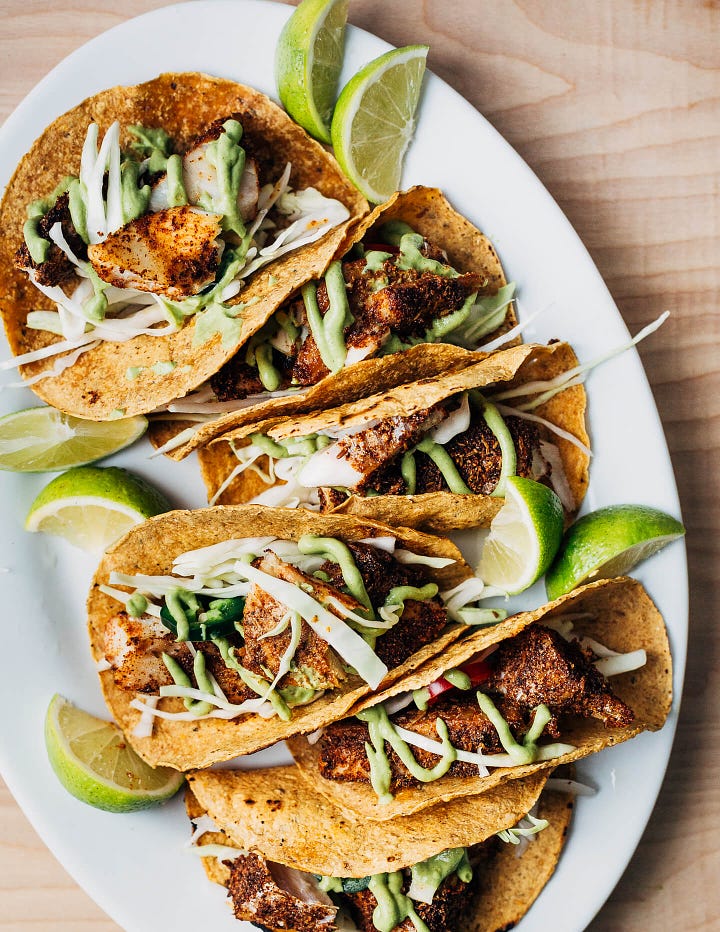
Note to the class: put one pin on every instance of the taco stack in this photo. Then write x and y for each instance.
(432, 453)
(290, 860)
(148, 261)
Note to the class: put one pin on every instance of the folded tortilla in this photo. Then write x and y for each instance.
(622, 617)
(276, 814)
(468, 250)
(435, 511)
(184, 105)
(150, 549)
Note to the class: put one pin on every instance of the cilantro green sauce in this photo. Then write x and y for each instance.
(258, 684)
(228, 157)
(421, 697)
(393, 906)
(180, 678)
(183, 606)
(393, 231)
(152, 144)
(327, 331)
(339, 553)
(38, 246)
(78, 208)
(442, 459)
(136, 605)
(408, 470)
(526, 752)
(458, 679)
(497, 425)
(374, 260)
(442, 326)
(411, 258)
(269, 374)
(381, 730)
(176, 193)
(134, 198)
(398, 595)
(429, 874)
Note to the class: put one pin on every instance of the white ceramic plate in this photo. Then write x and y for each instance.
(134, 866)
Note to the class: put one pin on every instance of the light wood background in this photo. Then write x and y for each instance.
(616, 106)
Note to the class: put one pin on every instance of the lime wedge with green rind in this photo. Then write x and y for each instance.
(308, 60)
(92, 506)
(374, 120)
(609, 542)
(94, 762)
(44, 439)
(524, 536)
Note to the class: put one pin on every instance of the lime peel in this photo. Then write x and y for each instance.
(609, 542)
(524, 536)
(308, 60)
(43, 439)
(94, 762)
(374, 121)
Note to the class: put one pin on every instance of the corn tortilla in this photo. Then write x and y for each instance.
(428, 212)
(276, 815)
(184, 105)
(624, 618)
(434, 511)
(150, 549)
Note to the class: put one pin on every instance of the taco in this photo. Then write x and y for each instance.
(413, 273)
(503, 703)
(291, 860)
(132, 273)
(430, 454)
(205, 655)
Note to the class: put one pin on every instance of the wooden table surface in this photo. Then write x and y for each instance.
(616, 106)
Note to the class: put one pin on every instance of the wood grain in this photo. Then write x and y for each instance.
(616, 106)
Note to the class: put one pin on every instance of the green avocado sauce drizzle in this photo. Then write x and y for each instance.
(183, 605)
(393, 231)
(442, 459)
(410, 257)
(497, 425)
(228, 157)
(521, 753)
(176, 193)
(152, 144)
(38, 246)
(340, 553)
(293, 446)
(134, 197)
(180, 678)
(136, 605)
(327, 331)
(381, 729)
(394, 906)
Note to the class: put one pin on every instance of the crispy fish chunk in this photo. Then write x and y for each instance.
(314, 658)
(278, 897)
(539, 666)
(174, 252)
(451, 900)
(342, 745)
(134, 647)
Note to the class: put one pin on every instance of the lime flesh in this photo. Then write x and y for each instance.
(609, 542)
(44, 439)
(92, 506)
(308, 60)
(524, 536)
(94, 762)
(374, 120)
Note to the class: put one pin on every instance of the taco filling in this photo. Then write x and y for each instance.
(144, 236)
(492, 711)
(461, 445)
(262, 625)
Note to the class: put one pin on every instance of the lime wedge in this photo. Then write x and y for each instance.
(374, 120)
(308, 59)
(45, 439)
(524, 536)
(93, 506)
(609, 542)
(94, 762)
